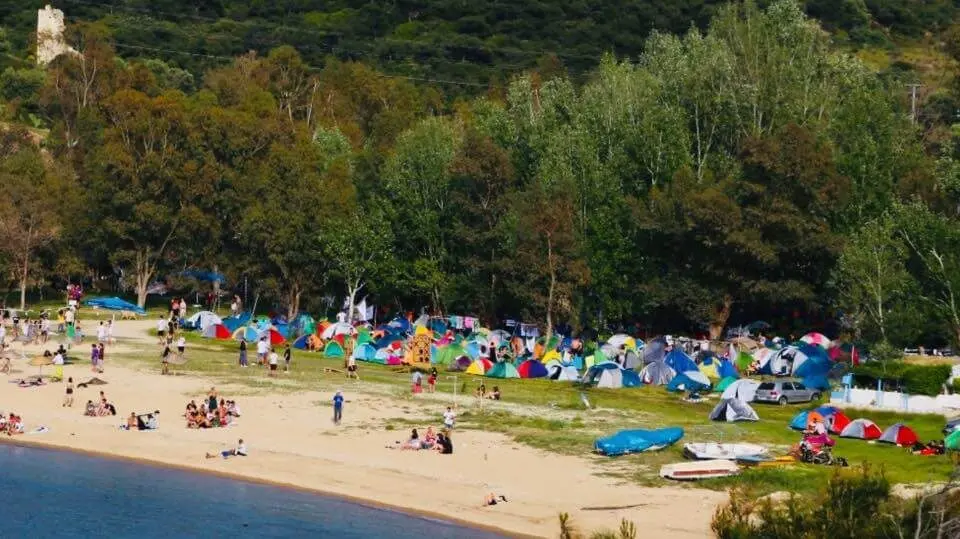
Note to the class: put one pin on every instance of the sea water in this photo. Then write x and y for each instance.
(48, 493)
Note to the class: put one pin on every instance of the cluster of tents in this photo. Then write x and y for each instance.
(838, 423)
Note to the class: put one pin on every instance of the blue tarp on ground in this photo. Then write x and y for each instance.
(680, 362)
(636, 441)
(234, 322)
(114, 304)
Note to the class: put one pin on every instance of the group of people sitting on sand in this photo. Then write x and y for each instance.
(148, 421)
(933, 447)
(101, 409)
(12, 424)
(440, 442)
(212, 412)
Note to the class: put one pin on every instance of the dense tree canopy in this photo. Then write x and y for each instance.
(741, 168)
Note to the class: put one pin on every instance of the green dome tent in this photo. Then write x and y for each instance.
(744, 360)
(363, 336)
(503, 370)
(724, 384)
(448, 354)
(952, 442)
(333, 349)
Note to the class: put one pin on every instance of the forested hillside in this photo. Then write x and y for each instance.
(470, 42)
(750, 166)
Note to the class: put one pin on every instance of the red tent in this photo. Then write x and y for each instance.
(836, 421)
(275, 337)
(899, 434)
(221, 332)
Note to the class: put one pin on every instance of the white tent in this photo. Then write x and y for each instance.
(610, 379)
(745, 390)
(731, 410)
(339, 328)
(204, 319)
(657, 373)
(560, 372)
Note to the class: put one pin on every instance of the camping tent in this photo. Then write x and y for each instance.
(654, 350)
(709, 367)
(503, 369)
(217, 331)
(609, 375)
(340, 328)
(479, 367)
(202, 320)
(899, 434)
(657, 373)
(623, 339)
(274, 336)
(560, 372)
(833, 418)
(532, 368)
(952, 442)
(726, 368)
(680, 362)
(247, 333)
(683, 382)
(745, 390)
(303, 324)
(333, 349)
(861, 428)
(743, 361)
(365, 352)
(816, 339)
(724, 383)
(302, 342)
(733, 410)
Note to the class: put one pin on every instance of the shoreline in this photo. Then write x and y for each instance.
(20, 441)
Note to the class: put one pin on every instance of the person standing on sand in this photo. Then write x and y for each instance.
(161, 330)
(262, 349)
(337, 408)
(101, 332)
(94, 356)
(448, 418)
(101, 357)
(110, 339)
(165, 360)
(243, 352)
(68, 398)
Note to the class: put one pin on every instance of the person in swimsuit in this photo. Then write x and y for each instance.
(68, 398)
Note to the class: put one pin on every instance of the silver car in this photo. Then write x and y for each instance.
(785, 392)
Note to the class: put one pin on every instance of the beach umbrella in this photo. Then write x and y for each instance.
(41, 361)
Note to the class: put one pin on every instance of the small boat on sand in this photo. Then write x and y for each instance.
(715, 451)
(699, 469)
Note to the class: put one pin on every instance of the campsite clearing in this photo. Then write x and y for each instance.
(552, 416)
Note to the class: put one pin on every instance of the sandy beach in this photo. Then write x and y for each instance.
(293, 442)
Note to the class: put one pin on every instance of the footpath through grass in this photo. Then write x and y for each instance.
(552, 416)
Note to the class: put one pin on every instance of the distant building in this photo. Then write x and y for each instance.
(50, 40)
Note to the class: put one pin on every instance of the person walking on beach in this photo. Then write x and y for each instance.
(337, 408)
(110, 339)
(243, 352)
(449, 417)
(287, 355)
(68, 398)
(161, 330)
(181, 346)
(94, 356)
(101, 332)
(165, 360)
(352, 368)
(101, 357)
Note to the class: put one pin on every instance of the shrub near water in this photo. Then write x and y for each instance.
(856, 503)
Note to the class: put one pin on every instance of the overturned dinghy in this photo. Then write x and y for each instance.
(637, 441)
(699, 469)
(715, 451)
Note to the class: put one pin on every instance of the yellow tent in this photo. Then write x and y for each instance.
(710, 371)
(550, 356)
(589, 361)
(422, 330)
(476, 368)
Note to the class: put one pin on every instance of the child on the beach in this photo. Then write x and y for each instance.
(337, 408)
(432, 381)
(239, 451)
(448, 418)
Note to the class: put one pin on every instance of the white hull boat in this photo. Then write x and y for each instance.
(715, 451)
(699, 469)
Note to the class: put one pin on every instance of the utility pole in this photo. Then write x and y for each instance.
(913, 102)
